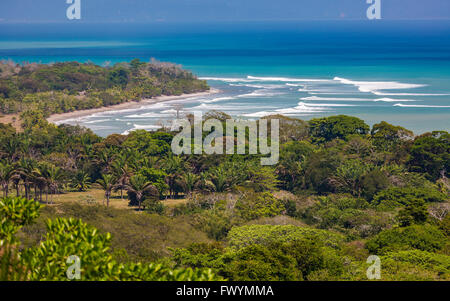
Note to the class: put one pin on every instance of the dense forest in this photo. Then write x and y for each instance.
(341, 191)
(70, 86)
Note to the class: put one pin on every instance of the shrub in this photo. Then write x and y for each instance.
(421, 237)
(240, 237)
(399, 196)
(255, 205)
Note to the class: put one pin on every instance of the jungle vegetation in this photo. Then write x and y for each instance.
(340, 192)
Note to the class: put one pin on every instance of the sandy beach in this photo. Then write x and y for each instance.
(55, 118)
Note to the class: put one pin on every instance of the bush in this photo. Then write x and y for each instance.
(400, 196)
(240, 237)
(15, 213)
(439, 263)
(421, 237)
(255, 205)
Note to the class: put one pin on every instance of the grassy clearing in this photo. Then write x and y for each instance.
(135, 235)
(97, 197)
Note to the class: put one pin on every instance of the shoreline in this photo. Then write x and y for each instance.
(57, 118)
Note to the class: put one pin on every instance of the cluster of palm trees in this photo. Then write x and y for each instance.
(31, 178)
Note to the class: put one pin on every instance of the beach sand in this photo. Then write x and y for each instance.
(56, 118)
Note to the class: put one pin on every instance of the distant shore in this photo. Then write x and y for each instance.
(57, 118)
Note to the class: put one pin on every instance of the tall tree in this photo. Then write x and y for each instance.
(6, 175)
(107, 183)
(139, 187)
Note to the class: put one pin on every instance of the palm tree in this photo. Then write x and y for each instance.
(172, 166)
(190, 181)
(40, 177)
(25, 172)
(219, 179)
(81, 181)
(104, 159)
(122, 173)
(6, 175)
(54, 179)
(139, 186)
(107, 183)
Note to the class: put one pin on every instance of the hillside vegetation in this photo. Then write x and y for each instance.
(70, 86)
(132, 210)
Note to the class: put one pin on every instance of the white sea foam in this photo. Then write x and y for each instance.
(261, 86)
(419, 106)
(141, 127)
(407, 94)
(326, 105)
(301, 109)
(96, 121)
(147, 115)
(386, 99)
(285, 79)
(335, 98)
(370, 86)
(218, 99)
(227, 79)
(260, 93)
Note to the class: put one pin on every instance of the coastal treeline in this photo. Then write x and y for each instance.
(69, 86)
(340, 192)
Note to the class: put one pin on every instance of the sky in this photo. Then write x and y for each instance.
(50, 11)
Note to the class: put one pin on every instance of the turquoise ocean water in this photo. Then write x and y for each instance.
(393, 71)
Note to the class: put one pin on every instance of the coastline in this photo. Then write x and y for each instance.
(56, 118)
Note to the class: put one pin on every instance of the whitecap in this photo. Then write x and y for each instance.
(371, 86)
(285, 79)
(419, 106)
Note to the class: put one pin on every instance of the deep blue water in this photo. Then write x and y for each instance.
(396, 71)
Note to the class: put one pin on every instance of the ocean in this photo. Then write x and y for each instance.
(394, 71)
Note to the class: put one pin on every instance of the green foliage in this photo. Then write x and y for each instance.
(430, 154)
(422, 237)
(439, 263)
(240, 237)
(373, 182)
(291, 164)
(348, 177)
(16, 213)
(341, 126)
(345, 214)
(274, 261)
(415, 212)
(69, 86)
(255, 205)
(388, 137)
(73, 237)
(399, 196)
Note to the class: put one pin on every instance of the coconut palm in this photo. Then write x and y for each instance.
(55, 178)
(25, 172)
(104, 160)
(6, 175)
(122, 174)
(139, 187)
(81, 181)
(173, 166)
(40, 177)
(190, 181)
(107, 183)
